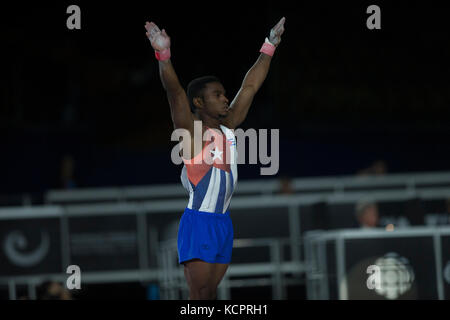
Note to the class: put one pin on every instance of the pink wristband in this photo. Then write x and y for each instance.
(268, 49)
(163, 55)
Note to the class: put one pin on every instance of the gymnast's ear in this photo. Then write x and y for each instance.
(198, 102)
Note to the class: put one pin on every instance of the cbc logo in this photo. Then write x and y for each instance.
(391, 276)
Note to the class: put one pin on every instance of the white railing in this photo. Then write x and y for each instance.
(411, 181)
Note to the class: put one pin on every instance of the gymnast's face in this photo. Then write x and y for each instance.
(215, 103)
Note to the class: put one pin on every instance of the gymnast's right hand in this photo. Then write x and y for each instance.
(158, 39)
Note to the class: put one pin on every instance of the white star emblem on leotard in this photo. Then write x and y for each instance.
(217, 154)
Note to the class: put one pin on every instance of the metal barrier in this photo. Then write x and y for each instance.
(271, 273)
(144, 264)
(412, 181)
(411, 263)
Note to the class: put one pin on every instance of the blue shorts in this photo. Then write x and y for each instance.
(206, 236)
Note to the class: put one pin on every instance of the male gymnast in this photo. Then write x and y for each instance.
(205, 234)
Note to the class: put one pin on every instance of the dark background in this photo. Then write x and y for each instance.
(342, 95)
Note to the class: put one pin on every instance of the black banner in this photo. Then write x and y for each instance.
(104, 243)
(391, 268)
(30, 246)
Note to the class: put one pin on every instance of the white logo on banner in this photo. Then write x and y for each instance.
(16, 240)
(394, 276)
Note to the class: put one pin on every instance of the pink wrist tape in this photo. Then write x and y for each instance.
(267, 48)
(163, 55)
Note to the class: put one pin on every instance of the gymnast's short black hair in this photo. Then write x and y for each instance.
(195, 87)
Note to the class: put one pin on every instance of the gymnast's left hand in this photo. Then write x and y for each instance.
(276, 32)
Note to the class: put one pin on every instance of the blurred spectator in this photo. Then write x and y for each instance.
(377, 168)
(285, 185)
(67, 178)
(366, 212)
(51, 290)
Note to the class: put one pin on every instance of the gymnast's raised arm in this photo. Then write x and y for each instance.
(254, 78)
(178, 101)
